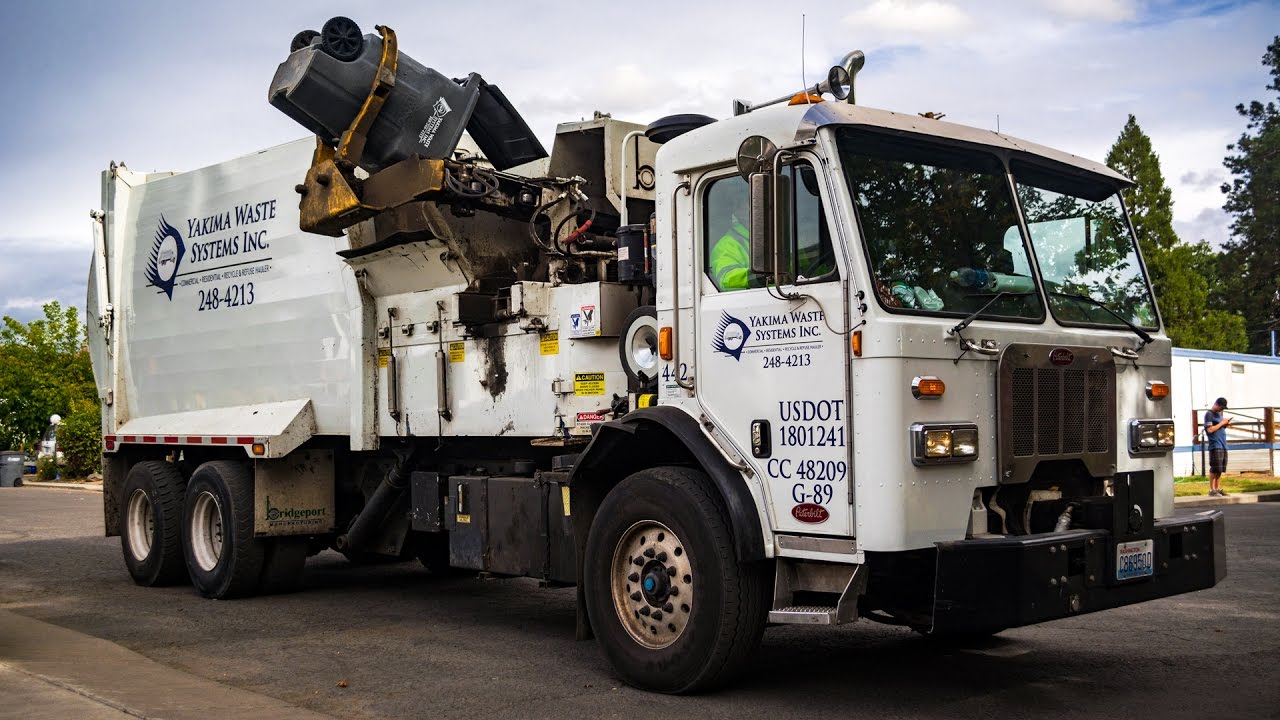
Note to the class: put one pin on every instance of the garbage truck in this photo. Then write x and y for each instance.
(809, 363)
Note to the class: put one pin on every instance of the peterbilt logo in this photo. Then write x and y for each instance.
(810, 513)
(1061, 356)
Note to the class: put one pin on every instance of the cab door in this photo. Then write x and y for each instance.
(772, 365)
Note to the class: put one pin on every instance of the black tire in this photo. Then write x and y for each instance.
(341, 38)
(154, 557)
(729, 600)
(302, 39)
(235, 569)
(283, 565)
(640, 328)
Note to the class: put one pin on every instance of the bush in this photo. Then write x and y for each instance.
(47, 468)
(80, 440)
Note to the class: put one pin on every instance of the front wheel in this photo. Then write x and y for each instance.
(672, 608)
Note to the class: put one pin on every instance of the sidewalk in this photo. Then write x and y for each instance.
(1195, 501)
(51, 672)
(90, 486)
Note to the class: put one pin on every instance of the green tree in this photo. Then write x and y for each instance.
(44, 369)
(80, 439)
(1253, 198)
(1182, 274)
(1150, 200)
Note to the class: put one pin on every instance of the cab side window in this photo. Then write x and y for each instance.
(727, 232)
(727, 235)
(813, 256)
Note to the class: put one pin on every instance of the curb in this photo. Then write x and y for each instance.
(90, 487)
(1195, 501)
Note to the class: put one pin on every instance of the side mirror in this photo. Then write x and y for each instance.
(770, 211)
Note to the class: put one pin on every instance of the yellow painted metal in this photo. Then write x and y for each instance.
(351, 145)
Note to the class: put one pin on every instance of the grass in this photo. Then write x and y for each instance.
(1199, 484)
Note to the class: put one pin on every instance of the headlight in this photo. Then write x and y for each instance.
(937, 443)
(1150, 436)
(964, 442)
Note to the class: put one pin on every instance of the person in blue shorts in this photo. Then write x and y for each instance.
(1215, 429)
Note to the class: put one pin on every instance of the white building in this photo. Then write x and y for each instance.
(1251, 385)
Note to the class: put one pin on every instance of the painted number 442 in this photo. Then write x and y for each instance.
(668, 376)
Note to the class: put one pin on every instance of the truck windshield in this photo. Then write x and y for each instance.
(939, 226)
(1084, 247)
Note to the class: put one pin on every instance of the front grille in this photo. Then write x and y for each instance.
(1074, 414)
(1099, 395)
(1050, 412)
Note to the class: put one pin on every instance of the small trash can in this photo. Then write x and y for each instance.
(11, 463)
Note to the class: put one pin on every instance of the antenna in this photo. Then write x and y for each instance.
(804, 76)
(997, 123)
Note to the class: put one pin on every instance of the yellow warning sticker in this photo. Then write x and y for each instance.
(383, 355)
(549, 343)
(589, 383)
(564, 498)
(463, 519)
(457, 352)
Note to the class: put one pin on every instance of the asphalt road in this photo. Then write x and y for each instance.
(409, 645)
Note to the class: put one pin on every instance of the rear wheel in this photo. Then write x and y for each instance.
(151, 534)
(223, 557)
(672, 608)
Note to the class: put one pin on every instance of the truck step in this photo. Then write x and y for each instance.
(804, 615)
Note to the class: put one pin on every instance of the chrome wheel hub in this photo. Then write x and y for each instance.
(206, 530)
(140, 524)
(652, 584)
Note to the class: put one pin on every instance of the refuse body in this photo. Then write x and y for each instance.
(329, 74)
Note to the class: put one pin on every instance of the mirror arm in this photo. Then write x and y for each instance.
(675, 284)
(777, 234)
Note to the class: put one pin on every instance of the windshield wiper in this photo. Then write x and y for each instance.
(965, 344)
(1142, 334)
(974, 315)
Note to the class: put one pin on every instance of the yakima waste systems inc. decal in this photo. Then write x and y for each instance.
(223, 251)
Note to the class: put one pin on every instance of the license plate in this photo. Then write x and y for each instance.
(1134, 559)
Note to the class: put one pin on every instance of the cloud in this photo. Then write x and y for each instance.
(907, 18)
(1205, 180)
(1211, 224)
(1112, 11)
(35, 272)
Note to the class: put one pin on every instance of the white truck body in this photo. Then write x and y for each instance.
(446, 374)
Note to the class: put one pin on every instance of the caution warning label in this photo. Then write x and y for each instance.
(588, 383)
(457, 352)
(549, 343)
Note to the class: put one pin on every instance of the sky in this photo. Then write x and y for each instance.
(178, 86)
